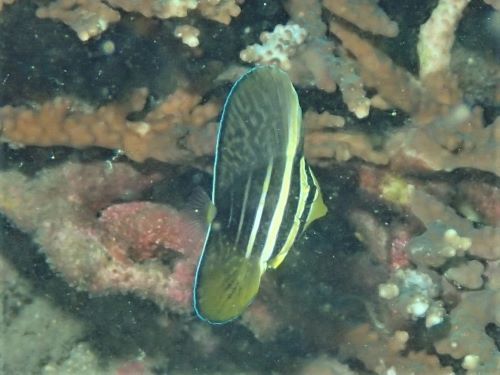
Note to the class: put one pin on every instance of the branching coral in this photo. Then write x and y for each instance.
(188, 34)
(482, 242)
(455, 137)
(398, 87)
(177, 130)
(317, 61)
(459, 139)
(277, 46)
(437, 264)
(412, 294)
(382, 353)
(467, 275)
(155, 8)
(365, 14)
(222, 11)
(437, 245)
(89, 18)
(436, 39)
(467, 339)
(315, 64)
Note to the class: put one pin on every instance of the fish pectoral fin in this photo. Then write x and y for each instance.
(223, 292)
(200, 206)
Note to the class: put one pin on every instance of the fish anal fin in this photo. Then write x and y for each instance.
(225, 290)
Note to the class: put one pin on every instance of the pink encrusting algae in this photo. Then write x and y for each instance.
(116, 251)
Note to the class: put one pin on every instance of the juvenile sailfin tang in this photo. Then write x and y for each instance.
(263, 189)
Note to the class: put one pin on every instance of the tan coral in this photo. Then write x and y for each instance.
(457, 140)
(365, 14)
(437, 36)
(324, 365)
(436, 39)
(314, 121)
(323, 63)
(307, 13)
(467, 336)
(417, 295)
(5, 2)
(341, 146)
(436, 90)
(315, 64)
(277, 46)
(467, 275)
(311, 61)
(382, 353)
(396, 86)
(222, 11)
(460, 139)
(169, 133)
(436, 246)
(188, 34)
(492, 274)
(494, 3)
(484, 241)
(156, 8)
(88, 18)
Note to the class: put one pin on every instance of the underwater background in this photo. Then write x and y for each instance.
(108, 118)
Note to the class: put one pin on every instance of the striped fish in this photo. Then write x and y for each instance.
(264, 192)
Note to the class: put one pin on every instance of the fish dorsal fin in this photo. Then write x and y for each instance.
(261, 116)
(318, 207)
